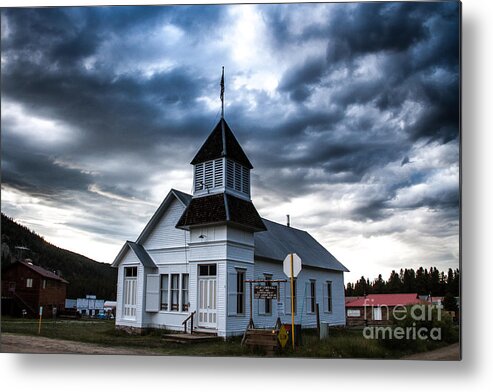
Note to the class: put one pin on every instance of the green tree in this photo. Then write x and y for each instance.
(450, 303)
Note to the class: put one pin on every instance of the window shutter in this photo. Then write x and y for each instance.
(209, 175)
(232, 292)
(287, 295)
(152, 293)
(245, 180)
(218, 173)
(308, 297)
(230, 173)
(199, 176)
(237, 177)
(326, 297)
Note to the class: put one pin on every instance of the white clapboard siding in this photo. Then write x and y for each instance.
(130, 259)
(169, 256)
(240, 253)
(208, 252)
(303, 315)
(165, 234)
(237, 323)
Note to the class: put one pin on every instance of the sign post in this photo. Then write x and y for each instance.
(292, 302)
(40, 317)
(292, 267)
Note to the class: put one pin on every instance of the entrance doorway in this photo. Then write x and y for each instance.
(207, 312)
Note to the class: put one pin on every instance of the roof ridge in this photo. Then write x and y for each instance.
(286, 226)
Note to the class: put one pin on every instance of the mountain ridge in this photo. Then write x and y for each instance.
(86, 276)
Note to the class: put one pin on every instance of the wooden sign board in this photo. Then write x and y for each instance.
(265, 292)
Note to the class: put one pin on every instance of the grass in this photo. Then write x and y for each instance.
(342, 343)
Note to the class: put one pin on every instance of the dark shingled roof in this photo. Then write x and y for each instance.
(221, 143)
(43, 272)
(142, 254)
(279, 240)
(218, 208)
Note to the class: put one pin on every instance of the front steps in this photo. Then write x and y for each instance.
(198, 336)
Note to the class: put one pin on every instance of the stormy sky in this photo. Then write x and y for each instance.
(349, 113)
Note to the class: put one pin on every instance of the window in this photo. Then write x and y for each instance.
(175, 292)
(377, 313)
(353, 313)
(207, 270)
(184, 293)
(268, 302)
(328, 297)
(311, 296)
(44, 283)
(164, 292)
(174, 297)
(130, 293)
(29, 282)
(288, 296)
(240, 293)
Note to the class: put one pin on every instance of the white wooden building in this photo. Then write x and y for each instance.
(197, 250)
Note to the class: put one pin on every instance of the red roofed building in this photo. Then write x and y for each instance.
(377, 308)
(26, 286)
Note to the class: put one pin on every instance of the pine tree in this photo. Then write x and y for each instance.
(379, 285)
(394, 284)
(449, 303)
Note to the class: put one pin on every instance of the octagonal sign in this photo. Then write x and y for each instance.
(286, 265)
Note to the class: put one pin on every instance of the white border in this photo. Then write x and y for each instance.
(81, 373)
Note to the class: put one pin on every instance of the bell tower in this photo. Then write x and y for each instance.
(221, 184)
(221, 165)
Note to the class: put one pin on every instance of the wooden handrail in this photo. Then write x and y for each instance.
(190, 317)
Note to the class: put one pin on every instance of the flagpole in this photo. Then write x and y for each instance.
(222, 94)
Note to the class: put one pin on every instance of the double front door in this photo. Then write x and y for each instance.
(207, 313)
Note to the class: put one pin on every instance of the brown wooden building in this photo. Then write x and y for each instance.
(26, 286)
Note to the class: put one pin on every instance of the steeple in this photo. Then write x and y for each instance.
(221, 165)
(221, 182)
(221, 143)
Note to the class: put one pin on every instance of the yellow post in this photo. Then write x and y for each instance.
(40, 317)
(292, 301)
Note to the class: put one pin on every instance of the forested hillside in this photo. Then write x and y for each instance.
(86, 276)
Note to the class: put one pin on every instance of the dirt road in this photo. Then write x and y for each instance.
(449, 353)
(12, 343)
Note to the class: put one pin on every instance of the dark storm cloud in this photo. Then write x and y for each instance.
(35, 172)
(298, 80)
(81, 66)
(413, 41)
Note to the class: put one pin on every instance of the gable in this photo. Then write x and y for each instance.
(172, 196)
(133, 253)
(164, 234)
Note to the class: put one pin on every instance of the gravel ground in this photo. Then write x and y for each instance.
(13, 343)
(449, 353)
